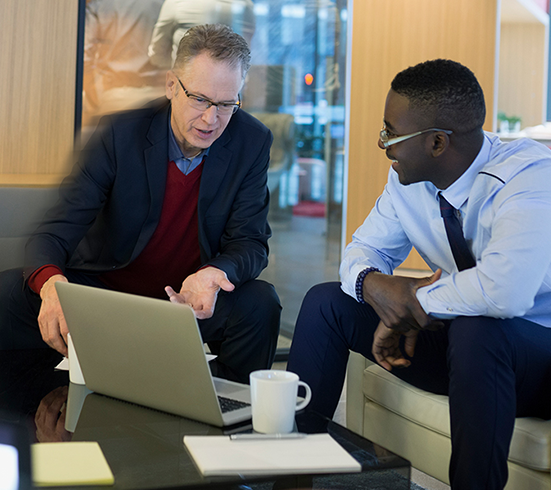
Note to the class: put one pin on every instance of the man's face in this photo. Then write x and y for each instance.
(217, 81)
(410, 158)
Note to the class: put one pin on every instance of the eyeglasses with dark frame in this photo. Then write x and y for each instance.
(387, 141)
(202, 103)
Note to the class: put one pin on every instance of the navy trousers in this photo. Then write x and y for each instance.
(242, 332)
(493, 370)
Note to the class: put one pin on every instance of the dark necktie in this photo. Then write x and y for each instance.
(461, 253)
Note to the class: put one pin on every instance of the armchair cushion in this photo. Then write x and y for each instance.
(531, 442)
(415, 424)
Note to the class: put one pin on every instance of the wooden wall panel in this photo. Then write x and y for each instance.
(37, 88)
(522, 72)
(387, 37)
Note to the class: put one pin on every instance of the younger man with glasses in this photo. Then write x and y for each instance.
(478, 328)
(169, 200)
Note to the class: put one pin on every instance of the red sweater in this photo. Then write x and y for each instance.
(173, 251)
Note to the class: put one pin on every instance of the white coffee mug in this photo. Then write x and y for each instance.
(75, 373)
(274, 400)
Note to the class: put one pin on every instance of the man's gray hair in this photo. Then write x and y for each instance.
(219, 42)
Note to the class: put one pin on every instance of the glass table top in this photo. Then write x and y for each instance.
(144, 447)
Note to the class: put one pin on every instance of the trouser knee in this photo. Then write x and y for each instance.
(321, 296)
(321, 306)
(243, 330)
(258, 304)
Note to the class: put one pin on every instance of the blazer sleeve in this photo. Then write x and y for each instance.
(81, 196)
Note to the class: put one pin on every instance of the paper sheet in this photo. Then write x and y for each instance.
(317, 453)
(63, 365)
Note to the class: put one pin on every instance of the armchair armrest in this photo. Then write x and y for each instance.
(354, 392)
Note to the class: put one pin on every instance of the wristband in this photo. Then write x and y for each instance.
(360, 283)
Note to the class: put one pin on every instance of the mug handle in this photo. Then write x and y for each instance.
(307, 399)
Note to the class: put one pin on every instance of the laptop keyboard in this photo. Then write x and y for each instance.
(229, 405)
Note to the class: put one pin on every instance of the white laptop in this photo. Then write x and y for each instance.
(150, 352)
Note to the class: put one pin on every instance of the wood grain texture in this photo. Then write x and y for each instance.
(37, 86)
(388, 37)
(523, 72)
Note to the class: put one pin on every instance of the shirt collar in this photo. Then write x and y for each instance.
(458, 193)
(174, 151)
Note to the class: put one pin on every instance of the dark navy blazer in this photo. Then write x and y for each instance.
(111, 203)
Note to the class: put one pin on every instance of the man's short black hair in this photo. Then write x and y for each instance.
(444, 91)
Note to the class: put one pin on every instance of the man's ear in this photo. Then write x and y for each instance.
(170, 85)
(439, 143)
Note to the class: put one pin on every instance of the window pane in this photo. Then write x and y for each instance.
(296, 87)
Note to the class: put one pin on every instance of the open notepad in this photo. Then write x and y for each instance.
(316, 453)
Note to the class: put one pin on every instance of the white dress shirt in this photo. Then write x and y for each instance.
(504, 199)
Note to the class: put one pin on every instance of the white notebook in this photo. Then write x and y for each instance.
(316, 453)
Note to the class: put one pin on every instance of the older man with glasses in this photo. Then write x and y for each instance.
(168, 201)
(478, 328)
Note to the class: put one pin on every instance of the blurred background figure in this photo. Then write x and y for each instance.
(118, 74)
(177, 16)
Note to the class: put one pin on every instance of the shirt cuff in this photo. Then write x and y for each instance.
(41, 275)
(422, 295)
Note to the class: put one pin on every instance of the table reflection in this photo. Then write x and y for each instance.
(144, 447)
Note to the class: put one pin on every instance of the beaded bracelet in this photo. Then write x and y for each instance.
(360, 283)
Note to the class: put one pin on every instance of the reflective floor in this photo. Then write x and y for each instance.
(302, 253)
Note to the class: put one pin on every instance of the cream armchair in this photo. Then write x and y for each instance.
(415, 424)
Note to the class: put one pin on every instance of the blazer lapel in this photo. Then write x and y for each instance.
(215, 168)
(156, 165)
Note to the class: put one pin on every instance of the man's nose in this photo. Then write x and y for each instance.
(210, 115)
(380, 144)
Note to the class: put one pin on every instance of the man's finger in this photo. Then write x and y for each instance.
(427, 281)
(420, 317)
(381, 360)
(59, 345)
(175, 297)
(64, 330)
(226, 285)
(51, 335)
(398, 362)
(205, 312)
(385, 365)
(409, 343)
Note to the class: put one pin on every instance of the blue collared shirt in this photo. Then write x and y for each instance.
(186, 165)
(504, 199)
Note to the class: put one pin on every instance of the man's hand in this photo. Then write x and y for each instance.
(200, 291)
(50, 318)
(386, 346)
(50, 417)
(393, 299)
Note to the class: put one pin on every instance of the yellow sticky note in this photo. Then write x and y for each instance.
(69, 463)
